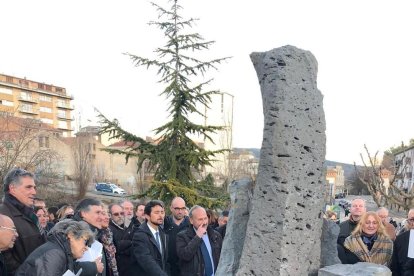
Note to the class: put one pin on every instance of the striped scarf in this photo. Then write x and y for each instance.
(105, 237)
(380, 253)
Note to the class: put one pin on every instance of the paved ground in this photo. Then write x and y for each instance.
(371, 206)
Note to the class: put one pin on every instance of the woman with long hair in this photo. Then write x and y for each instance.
(369, 241)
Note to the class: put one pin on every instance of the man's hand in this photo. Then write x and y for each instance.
(99, 265)
(201, 230)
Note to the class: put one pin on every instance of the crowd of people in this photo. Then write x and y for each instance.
(121, 239)
(93, 238)
(374, 237)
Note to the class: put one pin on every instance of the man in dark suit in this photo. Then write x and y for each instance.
(20, 192)
(401, 264)
(149, 244)
(199, 246)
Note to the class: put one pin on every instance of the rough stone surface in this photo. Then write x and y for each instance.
(329, 250)
(241, 192)
(358, 269)
(283, 235)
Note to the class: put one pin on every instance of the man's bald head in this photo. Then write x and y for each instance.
(8, 233)
(178, 208)
(357, 208)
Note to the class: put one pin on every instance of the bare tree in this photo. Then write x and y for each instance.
(24, 143)
(386, 194)
(84, 167)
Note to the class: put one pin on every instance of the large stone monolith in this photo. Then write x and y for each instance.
(284, 230)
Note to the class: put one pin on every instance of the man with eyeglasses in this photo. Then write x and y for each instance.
(122, 240)
(401, 263)
(19, 194)
(174, 224)
(8, 235)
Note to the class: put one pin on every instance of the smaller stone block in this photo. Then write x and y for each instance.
(358, 269)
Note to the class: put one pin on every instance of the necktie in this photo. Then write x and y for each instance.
(208, 266)
(157, 239)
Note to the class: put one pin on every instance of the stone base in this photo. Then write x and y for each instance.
(359, 269)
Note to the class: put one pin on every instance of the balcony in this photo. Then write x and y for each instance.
(65, 106)
(25, 109)
(64, 117)
(65, 128)
(28, 99)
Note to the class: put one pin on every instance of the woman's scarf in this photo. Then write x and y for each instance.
(105, 237)
(380, 253)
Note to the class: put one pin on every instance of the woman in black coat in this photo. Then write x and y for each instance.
(67, 241)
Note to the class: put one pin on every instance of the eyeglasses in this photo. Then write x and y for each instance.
(8, 228)
(180, 209)
(118, 214)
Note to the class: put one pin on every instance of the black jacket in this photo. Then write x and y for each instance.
(345, 230)
(123, 243)
(51, 259)
(29, 236)
(146, 258)
(189, 252)
(401, 265)
(172, 229)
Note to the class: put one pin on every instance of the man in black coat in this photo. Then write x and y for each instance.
(172, 226)
(401, 264)
(199, 246)
(149, 244)
(8, 235)
(20, 192)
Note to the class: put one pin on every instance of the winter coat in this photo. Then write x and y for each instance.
(29, 234)
(146, 257)
(172, 229)
(345, 230)
(123, 243)
(189, 251)
(401, 265)
(51, 259)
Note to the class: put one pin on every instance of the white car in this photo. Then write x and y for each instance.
(109, 188)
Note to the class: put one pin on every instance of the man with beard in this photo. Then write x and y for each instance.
(172, 226)
(149, 244)
(8, 235)
(139, 213)
(19, 194)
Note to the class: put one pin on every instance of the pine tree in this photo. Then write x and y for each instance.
(175, 157)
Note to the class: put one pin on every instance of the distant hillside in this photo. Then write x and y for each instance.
(348, 168)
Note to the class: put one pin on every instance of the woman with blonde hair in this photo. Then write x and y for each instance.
(369, 241)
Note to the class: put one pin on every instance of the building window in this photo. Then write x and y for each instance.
(94, 147)
(61, 114)
(41, 86)
(58, 89)
(5, 90)
(48, 88)
(47, 121)
(45, 109)
(41, 144)
(63, 124)
(6, 103)
(26, 107)
(9, 79)
(46, 142)
(45, 98)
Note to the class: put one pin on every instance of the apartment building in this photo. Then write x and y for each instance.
(335, 179)
(405, 165)
(35, 100)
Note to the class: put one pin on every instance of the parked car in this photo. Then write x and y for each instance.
(109, 188)
(340, 195)
(344, 203)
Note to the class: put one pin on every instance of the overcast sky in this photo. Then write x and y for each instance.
(364, 49)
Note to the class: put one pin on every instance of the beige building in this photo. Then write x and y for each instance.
(335, 179)
(35, 100)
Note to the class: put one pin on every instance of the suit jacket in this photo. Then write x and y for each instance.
(29, 237)
(146, 257)
(189, 251)
(401, 265)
